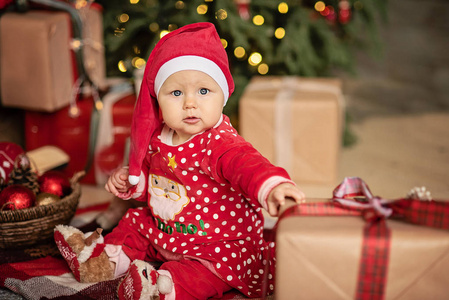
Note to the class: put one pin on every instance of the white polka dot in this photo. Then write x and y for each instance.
(185, 251)
(205, 185)
(180, 148)
(217, 137)
(224, 223)
(217, 250)
(160, 235)
(218, 265)
(191, 145)
(181, 219)
(238, 267)
(222, 208)
(232, 213)
(232, 227)
(195, 178)
(243, 250)
(202, 141)
(240, 220)
(229, 278)
(206, 210)
(174, 249)
(224, 259)
(215, 216)
(199, 192)
(184, 244)
(207, 225)
(183, 160)
(198, 206)
(238, 206)
(215, 190)
(217, 230)
(141, 226)
(184, 172)
(250, 228)
(198, 217)
(206, 199)
(188, 187)
(228, 246)
(209, 152)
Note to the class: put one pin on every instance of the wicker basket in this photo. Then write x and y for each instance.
(26, 227)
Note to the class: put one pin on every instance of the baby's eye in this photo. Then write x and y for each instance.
(176, 93)
(204, 91)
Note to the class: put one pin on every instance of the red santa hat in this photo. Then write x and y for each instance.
(192, 47)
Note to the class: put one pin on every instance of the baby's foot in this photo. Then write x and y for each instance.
(84, 253)
(143, 282)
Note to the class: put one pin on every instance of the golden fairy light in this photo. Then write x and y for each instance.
(133, 1)
(262, 69)
(80, 4)
(221, 14)
(163, 32)
(239, 52)
(224, 43)
(258, 20)
(319, 6)
(180, 5)
(138, 62)
(121, 66)
(75, 44)
(123, 18)
(283, 8)
(279, 33)
(255, 58)
(201, 9)
(154, 27)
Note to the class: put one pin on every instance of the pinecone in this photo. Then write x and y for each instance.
(23, 174)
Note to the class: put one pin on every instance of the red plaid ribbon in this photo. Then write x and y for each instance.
(372, 277)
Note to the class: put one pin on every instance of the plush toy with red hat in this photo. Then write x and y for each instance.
(204, 185)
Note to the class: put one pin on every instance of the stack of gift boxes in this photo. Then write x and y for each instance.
(40, 74)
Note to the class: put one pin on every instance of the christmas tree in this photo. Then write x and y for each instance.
(284, 37)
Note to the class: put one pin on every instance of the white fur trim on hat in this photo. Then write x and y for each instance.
(191, 62)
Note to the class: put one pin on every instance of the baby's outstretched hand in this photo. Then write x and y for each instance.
(118, 182)
(277, 197)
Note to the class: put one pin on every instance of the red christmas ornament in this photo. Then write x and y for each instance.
(16, 196)
(8, 153)
(55, 182)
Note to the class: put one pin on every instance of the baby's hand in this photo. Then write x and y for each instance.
(118, 182)
(277, 196)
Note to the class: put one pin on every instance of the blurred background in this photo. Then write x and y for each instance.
(391, 57)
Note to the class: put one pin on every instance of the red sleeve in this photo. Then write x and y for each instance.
(236, 161)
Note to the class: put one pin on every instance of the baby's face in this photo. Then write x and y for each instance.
(191, 102)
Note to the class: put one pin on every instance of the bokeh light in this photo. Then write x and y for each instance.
(123, 18)
(279, 33)
(262, 69)
(239, 52)
(121, 66)
(255, 58)
(201, 9)
(283, 8)
(258, 20)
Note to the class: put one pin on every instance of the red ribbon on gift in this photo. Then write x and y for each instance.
(346, 201)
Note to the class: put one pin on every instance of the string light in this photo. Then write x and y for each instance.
(163, 32)
(180, 5)
(262, 69)
(133, 1)
(320, 6)
(283, 8)
(255, 58)
(201, 9)
(123, 18)
(239, 52)
(279, 33)
(258, 20)
(221, 14)
(224, 43)
(138, 62)
(154, 27)
(121, 66)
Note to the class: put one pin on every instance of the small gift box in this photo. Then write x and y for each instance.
(352, 249)
(296, 123)
(37, 66)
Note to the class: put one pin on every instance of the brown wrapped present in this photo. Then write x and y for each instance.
(37, 68)
(296, 123)
(326, 250)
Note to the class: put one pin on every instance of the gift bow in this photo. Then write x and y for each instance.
(353, 187)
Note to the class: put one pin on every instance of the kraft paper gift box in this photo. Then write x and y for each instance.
(320, 256)
(296, 123)
(37, 66)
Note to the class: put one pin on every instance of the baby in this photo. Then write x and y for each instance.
(205, 186)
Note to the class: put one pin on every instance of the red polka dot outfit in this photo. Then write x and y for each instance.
(214, 179)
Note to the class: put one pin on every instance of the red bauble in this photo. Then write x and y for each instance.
(8, 153)
(54, 182)
(16, 196)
